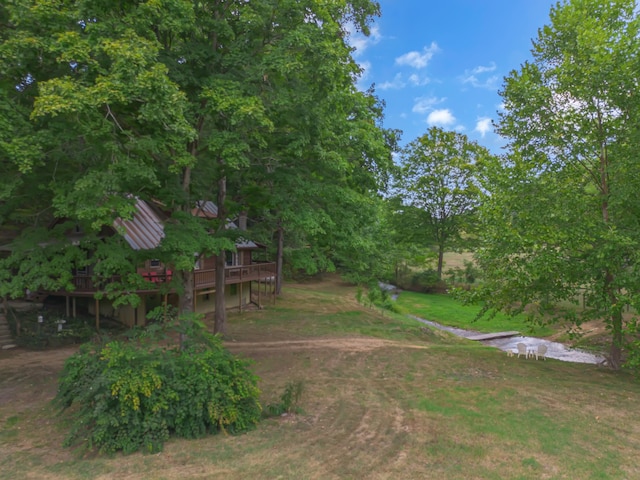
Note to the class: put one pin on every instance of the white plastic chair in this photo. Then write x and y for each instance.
(541, 352)
(522, 350)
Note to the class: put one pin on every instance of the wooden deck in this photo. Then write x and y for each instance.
(203, 278)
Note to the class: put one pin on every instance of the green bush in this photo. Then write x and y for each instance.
(135, 394)
(427, 281)
(466, 276)
(376, 297)
(289, 400)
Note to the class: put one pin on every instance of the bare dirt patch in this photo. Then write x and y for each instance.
(352, 345)
(25, 376)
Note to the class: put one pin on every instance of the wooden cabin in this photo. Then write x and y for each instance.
(247, 281)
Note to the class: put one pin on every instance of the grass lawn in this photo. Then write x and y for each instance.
(448, 311)
(384, 398)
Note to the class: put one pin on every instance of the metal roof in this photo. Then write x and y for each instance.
(205, 208)
(145, 230)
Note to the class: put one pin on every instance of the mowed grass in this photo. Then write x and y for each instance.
(384, 398)
(447, 310)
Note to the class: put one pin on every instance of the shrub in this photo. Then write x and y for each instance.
(427, 281)
(289, 400)
(466, 276)
(131, 395)
(376, 297)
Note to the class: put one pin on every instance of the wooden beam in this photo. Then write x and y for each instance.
(204, 292)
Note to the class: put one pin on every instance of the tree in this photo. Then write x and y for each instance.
(167, 101)
(560, 220)
(400, 246)
(439, 180)
(315, 196)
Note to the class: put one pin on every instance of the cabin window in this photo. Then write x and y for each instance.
(231, 259)
(82, 271)
(154, 263)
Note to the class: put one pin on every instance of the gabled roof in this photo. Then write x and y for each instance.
(205, 209)
(146, 229)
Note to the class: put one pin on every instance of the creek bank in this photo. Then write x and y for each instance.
(555, 350)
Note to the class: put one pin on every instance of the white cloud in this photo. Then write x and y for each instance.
(441, 117)
(366, 68)
(476, 75)
(417, 81)
(399, 82)
(426, 104)
(362, 83)
(482, 69)
(361, 42)
(483, 126)
(417, 59)
(396, 84)
(490, 83)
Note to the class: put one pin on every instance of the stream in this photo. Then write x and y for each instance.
(558, 351)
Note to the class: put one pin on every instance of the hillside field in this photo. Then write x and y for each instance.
(384, 398)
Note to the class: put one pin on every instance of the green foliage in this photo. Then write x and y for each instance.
(289, 400)
(35, 335)
(359, 293)
(449, 310)
(439, 185)
(467, 275)
(560, 216)
(376, 296)
(252, 104)
(426, 281)
(133, 395)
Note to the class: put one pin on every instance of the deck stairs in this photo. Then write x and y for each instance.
(6, 339)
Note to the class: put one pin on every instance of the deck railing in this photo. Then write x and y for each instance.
(203, 278)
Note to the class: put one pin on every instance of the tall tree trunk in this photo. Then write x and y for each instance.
(220, 315)
(279, 258)
(617, 335)
(615, 355)
(440, 259)
(186, 276)
(186, 300)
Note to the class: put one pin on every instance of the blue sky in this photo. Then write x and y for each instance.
(442, 62)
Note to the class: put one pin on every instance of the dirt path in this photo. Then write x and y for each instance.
(26, 376)
(19, 362)
(354, 344)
